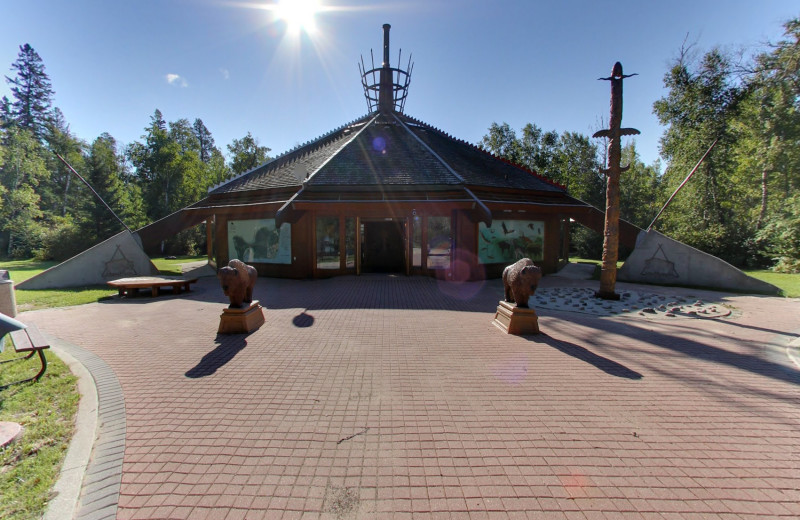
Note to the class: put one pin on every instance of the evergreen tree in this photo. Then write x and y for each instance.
(63, 193)
(168, 166)
(154, 161)
(32, 92)
(205, 140)
(6, 115)
(157, 122)
(182, 133)
(103, 173)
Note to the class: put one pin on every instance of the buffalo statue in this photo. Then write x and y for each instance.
(237, 280)
(520, 281)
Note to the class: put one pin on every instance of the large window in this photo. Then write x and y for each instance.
(350, 242)
(506, 241)
(327, 242)
(416, 241)
(259, 241)
(440, 240)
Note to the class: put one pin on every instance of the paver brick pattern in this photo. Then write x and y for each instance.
(396, 397)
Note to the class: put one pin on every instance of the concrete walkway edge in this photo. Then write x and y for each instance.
(88, 486)
(73, 469)
(793, 351)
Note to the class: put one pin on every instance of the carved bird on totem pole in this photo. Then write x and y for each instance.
(614, 130)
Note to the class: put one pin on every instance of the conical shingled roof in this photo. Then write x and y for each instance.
(383, 154)
(282, 171)
(388, 150)
(478, 167)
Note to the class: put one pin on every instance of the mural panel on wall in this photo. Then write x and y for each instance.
(506, 241)
(260, 241)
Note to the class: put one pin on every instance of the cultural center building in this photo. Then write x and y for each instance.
(385, 193)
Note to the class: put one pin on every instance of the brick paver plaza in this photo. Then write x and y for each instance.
(396, 397)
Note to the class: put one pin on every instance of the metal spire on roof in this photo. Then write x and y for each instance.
(385, 87)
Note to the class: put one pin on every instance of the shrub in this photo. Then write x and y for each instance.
(62, 240)
(780, 238)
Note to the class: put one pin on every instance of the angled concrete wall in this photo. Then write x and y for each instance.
(661, 260)
(118, 257)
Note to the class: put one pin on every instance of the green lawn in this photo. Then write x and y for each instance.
(597, 263)
(29, 467)
(788, 283)
(173, 265)
(27, 300)
(21, 270)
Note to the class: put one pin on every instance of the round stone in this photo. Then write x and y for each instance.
(8, 432)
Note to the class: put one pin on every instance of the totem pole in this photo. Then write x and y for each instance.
(608, 273)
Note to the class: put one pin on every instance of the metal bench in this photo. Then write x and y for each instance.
(29, 340)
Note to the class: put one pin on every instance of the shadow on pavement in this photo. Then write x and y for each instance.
(382, 291)
(229, 346)
(606, 365)
(303, 320)
(695, 348)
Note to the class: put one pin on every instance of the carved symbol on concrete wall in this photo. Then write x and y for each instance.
(119, 265)
(660, 265)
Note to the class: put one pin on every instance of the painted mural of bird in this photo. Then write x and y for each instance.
(506, 230)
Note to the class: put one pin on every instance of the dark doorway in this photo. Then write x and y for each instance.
(382, 247)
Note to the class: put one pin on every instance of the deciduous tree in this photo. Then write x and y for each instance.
(22, 170)
(701, 102)
(246, 154)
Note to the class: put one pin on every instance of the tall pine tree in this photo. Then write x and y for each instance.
(103, 173)
(32, 92)
(203, 136)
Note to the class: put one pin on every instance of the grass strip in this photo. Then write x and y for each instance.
(29, 466)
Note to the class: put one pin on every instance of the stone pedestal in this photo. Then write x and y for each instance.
(516, 320)
(241, 320)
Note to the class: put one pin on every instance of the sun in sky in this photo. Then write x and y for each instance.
(298, 14)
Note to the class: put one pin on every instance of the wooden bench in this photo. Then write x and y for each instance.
(29, 340)
(130, 286)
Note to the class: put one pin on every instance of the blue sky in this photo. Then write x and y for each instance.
(232, 64)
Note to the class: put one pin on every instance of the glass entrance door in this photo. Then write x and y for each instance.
(383, 246)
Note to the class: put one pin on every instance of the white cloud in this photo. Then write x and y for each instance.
(225, 73)
(177, 80)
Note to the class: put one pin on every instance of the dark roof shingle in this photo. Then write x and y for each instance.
(392, 150)
(383, 154)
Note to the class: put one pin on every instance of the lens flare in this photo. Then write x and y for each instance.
(379, 144)
(298, 14)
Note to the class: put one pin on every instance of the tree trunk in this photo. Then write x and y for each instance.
(763, 213)
(66, 191)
